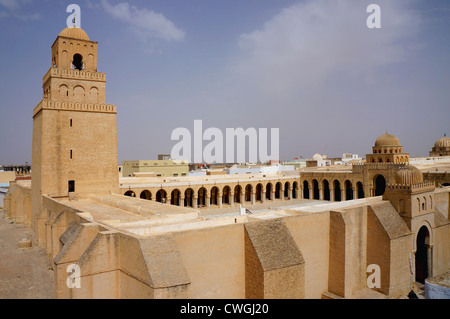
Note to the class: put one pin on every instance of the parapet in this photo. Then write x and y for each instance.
(74, 74)
(80, 107)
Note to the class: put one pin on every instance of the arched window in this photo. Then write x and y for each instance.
(77, 62)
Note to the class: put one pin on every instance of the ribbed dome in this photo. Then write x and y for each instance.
(443, 142)
(74, 33)
(409, 175)
(387, 140)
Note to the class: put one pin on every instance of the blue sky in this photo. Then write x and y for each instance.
(310, 68)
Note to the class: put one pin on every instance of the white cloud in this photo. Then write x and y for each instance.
(307, 43)
(13, 10)
(145, 23)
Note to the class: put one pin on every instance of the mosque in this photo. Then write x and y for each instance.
(311, 233)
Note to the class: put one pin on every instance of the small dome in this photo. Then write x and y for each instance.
(443, 142)
(317, 157)
(74, 33)
(409, 175)
(387, 140)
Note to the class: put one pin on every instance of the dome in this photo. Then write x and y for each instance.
(387, 140)
(442, 142)
(317, 157)
(74, 33)
(409, 175)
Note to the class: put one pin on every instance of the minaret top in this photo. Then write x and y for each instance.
(74, 33)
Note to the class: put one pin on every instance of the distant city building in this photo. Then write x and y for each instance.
(441, 147)
(163, 167)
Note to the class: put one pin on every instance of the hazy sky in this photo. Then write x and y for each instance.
(313, 69)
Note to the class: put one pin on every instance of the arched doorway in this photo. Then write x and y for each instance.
(278, 191)
(214, 196)
(380, 185)
(360, 187)
(316, 189)
(326, 190)
(305, 190)
(248, 193)
(337, 191)
(161, 196)
(175, 197)
(422, 255)
(226, 195)
(259, 192)
(294, 190)
(130, 194)
(286, 190)
(189, 198)
(269, 191)
(237, 194)
(201, 197)
(146, 195)
(348, 190)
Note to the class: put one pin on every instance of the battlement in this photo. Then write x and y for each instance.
(423, 187)
(79, 107)
(74, 74)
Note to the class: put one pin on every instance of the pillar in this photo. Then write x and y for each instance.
(208, 200)
(332, 194)
(220, 200)
(343, 194)
(182, 201)
(232, 199)
(263, 196)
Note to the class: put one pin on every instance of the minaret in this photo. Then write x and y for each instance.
(74, 131)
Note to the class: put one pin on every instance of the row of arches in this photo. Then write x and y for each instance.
(332, 191)
(226, 195)
(77, 94)
(397, 160)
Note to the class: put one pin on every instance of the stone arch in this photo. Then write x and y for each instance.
(189, 197)
(306, 190)
(130, 193)
(422, 256)
(237, 194)
(287, 194)
(316, 191)
(326, 189)
(380, 185)
(295, 190)
(360, 187)
(348, 190)
(79, 94)
(269, 188)
(175, 197)
(63, 93)
(201, 201)
(337, 190)
(215, 196)
(226, 197)
(278, 187)
(248, 193)
(161, 196)
(146, 194)
(259, 192)
(93, 95)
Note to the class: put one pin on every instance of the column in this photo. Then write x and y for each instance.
(253, 197)
(208, 200)
(321, 193)
(355, 193)
(282, 193)
(195, 203)
(311, 195)
(332, 194)
(343, 195)
(232, 199)
(263, 196)
(220, 199)
(182, 201)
